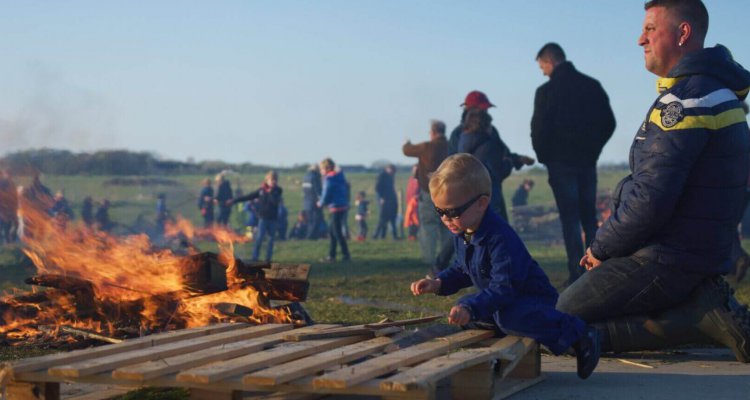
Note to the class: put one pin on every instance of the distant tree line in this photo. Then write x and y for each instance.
(124, 162)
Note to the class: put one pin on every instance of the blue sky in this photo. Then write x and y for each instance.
(287, 82)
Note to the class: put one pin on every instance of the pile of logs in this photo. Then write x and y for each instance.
(204, 274)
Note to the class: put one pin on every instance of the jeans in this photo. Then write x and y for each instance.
(627, 286)
(337, 235)
(224, 212)
(314, 217)
(266, 227)
(434, 238)
(575, 194)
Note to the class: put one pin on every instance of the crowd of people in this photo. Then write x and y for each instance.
(645, 277)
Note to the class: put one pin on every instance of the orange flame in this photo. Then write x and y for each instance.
(125, 274)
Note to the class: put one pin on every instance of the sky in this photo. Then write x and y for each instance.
(288, 82)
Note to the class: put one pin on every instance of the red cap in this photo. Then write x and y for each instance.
(477, 99)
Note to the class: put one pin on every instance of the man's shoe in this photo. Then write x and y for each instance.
(328, 260)
(727, 321)
(587, 352)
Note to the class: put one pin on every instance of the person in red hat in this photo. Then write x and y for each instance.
(487, 146)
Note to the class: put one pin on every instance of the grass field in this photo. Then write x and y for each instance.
(381, 270)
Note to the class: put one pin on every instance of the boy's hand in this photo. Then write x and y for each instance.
(459, 315)
(423, 286)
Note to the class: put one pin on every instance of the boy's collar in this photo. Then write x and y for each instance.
(481, 232)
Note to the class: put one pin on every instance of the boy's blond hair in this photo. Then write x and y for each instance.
(272, 174)
(461, 172)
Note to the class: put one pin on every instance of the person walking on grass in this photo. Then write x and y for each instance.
(335, 196)
(268, 199)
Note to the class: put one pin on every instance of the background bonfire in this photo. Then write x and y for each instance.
(100, 286)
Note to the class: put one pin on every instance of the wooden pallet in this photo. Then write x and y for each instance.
(229, 361)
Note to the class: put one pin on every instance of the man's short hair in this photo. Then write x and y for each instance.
(461, 172)
(551, 51)
(437, 127)
(691, 11)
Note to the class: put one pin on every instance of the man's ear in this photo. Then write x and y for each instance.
(686, 32)
(484, 202)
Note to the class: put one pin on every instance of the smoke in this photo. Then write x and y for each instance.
(57, 114)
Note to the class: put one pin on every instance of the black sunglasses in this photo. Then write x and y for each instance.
(456, 212)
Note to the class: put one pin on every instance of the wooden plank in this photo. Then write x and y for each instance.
(51, 360)
(298, 272)
(251, 362)
(343, 332)
(405, 322)
(89, 367)
(156, 368)
(206, 394)
(107, 393)
(428, 373)
(352, 375)
(307, 366)
(475, 382)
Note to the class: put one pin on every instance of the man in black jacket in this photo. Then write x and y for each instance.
(572, 121)
(654, 266)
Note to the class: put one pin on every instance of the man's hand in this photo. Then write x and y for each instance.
(526, 160)
(459, 315)
(426, 285)
(589, 261)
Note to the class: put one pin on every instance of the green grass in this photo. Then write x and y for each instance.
(380, 270)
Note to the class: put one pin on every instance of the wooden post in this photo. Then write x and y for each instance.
(474, 382)
(530, 365)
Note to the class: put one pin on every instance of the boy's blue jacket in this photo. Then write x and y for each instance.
(497, 263)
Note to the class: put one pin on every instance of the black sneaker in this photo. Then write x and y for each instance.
(587, 352)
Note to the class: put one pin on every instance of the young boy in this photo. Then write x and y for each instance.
(514, 295)
(362, 213)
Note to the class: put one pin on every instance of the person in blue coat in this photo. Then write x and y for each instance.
(335, 196)
(513, 295)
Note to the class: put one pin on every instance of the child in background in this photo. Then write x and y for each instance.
(299, 230)
(362, 211)
(513, 295)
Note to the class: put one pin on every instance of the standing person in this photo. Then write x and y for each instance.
(283, 225)
(268, 198)
(101, 217)
(411, 217)
(362, 212)
(334, 196)
(311, 189)
(513, 296)
(385, 188)
(521, 195)
(502, 159)
(162, 214)
(654, 267)
(87, 211)
(435, 241)
(61, 212)
(572, 122)
(206, 203)
(8, 207)
(223, 195)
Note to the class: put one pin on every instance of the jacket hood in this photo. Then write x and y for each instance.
(716, 62)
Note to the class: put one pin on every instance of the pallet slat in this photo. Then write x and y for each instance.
(428, 373)
(51, 360)
(274, 356)
(350, 376)
(153, 369)
(89, 367)
(293, 370)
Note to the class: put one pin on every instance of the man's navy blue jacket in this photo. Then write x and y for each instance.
(689, 167)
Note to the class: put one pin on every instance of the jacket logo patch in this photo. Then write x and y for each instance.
(672, 114)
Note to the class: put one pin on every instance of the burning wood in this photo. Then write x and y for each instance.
(123, 286)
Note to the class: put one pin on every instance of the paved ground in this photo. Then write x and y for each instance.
(705, 374)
